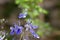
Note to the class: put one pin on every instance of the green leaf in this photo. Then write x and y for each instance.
(25, 6)
(36, 22)
(40, 0)
(45, 12)
(41, 10)
(35, 13)
(26, 0)
(17, 2)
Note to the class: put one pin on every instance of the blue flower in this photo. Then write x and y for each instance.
(16, 29)
(33, 33)
(33, 26)
(12, 31)
(19, 30)
(22, 15)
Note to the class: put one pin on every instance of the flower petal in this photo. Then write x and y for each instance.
(33, 26)
(12, 32)
(33, 33)
(21, 15)
(11, 28)
(16, 27)
(19, 30)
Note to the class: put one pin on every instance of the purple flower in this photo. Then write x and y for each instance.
(30, 26)
(19, 30)
(21, 15)
(12, 31)
(33, 33)
(16, 29)
(33, 26)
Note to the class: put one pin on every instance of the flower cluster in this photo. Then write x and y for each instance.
(28, 26)
(31, 29)
(16, 29)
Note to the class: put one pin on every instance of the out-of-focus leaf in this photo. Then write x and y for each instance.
(45, 12)
(24, 5)
(26, 0)
(41, 10)
(35, 13)
(40, 0)
(17, 2)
